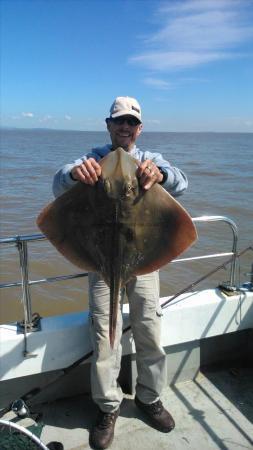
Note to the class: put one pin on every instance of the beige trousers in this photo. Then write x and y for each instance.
(145, 319)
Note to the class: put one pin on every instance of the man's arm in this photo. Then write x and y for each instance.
(174, 180)
(68, 175)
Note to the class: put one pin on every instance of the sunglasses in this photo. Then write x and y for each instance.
(131, 121)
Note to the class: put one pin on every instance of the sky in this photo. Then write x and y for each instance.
(188, 62)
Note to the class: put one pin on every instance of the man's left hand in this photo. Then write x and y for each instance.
(149, 174)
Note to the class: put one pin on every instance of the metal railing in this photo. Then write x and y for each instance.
(21, 243)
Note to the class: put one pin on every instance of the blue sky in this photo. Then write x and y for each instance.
(189, 63)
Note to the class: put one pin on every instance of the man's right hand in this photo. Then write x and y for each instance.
(87, 172)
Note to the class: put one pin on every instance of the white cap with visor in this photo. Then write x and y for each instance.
(125, 106)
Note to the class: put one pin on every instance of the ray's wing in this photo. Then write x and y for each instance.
(163, 230)
(71, 224)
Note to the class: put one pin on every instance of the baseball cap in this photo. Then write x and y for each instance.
(123, 106)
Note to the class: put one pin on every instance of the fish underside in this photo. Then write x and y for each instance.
(116, 228)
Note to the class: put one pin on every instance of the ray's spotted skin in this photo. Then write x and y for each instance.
(120, 224)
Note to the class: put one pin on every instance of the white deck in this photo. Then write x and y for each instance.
(215, 411)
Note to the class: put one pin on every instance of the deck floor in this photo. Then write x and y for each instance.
(214, 411)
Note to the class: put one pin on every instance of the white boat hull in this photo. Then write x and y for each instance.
(188, 321)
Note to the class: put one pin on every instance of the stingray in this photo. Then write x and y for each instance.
(117, 228)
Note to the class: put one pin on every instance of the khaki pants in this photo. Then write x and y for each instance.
(145, 318)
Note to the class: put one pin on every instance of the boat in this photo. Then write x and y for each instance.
(207, 335)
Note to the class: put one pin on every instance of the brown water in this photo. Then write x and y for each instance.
(219, 167)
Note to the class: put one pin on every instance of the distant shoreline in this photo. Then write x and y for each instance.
(6, 128)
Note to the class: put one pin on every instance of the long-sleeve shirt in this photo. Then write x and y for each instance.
(175, 184)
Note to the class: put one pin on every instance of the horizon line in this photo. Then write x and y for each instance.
(4, 127)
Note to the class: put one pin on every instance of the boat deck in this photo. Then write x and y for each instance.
(213, 411)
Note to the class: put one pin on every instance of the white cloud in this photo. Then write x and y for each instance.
(179, 6)
(152, 122)
(67, 117)
(195, 32)
(157, 83)
(27, 114)
(169, 60)
(46, 118)
(240, 123)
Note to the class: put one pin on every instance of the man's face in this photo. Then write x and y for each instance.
(124, 131)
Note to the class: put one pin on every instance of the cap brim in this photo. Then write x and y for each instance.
(125, 113)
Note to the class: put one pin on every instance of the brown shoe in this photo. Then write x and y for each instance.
(102, 434)
(158, 415)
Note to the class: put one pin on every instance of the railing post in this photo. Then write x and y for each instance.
(231, 283)
(26, 296)
(234, 250)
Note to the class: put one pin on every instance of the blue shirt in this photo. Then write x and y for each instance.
(175, 184)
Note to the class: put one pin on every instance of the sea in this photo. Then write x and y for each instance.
(219, 167)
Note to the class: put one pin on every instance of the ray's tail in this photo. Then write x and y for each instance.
(115, 276)
(114, 305)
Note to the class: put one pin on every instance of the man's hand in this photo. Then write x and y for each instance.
(87, 172)
(149, 174)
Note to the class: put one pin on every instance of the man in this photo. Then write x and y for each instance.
(125, 126)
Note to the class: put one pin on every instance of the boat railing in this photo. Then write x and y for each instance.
(21, 242)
